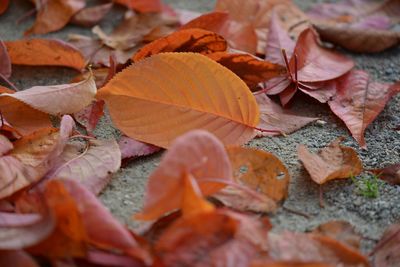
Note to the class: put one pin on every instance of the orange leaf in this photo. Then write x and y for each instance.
(250, 69)
(260, 171)
(143, 6)
(160, 98)
(213, 21)
(68, 237)
(45, 52)
(332, 162)
(198, 154)
(190, 40)
(53, 15)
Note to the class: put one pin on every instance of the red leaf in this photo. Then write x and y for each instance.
(143, 6)
(359, 101)
(5, 62)
(131, 148)
(16, 258)
(4, 5)
(90, 116)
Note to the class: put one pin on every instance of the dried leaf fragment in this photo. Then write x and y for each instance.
(157, 112)
(340, 230)
(332, 162)
(390, 174)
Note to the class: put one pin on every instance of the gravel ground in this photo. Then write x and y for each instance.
(370, 216)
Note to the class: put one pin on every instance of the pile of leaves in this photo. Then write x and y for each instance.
(201, 86)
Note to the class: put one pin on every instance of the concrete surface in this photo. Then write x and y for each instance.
(370, 216)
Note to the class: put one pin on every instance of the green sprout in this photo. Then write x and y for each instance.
(367, 186)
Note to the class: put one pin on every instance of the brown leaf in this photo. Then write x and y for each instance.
(386, 251)
(390, 174)
(91, 16)
(53, 15)
(259, 171)
(269, 263)
(358, 39)
(342, 231)
(306, 248)
(45, 52)
(197, 153)
(249, 68)
(143, 6)
(5, 62)
(205, 239)
(4, 5)
(190, 40)
(359, 101)
(332, 162)
(274, 118)
(16, 258)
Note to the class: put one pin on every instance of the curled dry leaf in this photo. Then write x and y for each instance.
(342, 231)
(255, 14)
(16, 258)
(197, 153)
(143, 6)
(250, 69)
(5, 62)
(390, 174)
(91, 164)
(91, 16)
(190, 40)
(4, 5)
(131, 148)
(45, 52)
(52, 99)
(90, 115)
(205, 239)
(358, 39)
(274, 118)
(18, 231)
(53, 15)
(299, 247)
(359, 101)
(386, 251)
(32, 156)
(151, 101)
(332, 162)
(260, 171)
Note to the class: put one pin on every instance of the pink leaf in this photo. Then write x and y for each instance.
(131, 148)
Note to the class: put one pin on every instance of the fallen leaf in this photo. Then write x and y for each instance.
(269, 263)
(342, 231)
(274, 118)
(190, 40)
(386, 251)
(314, 64)
(256, 14)
(131, 148)
(143, 6)
(91, 16)
(278, 39)
(196, 153)
(250, 69)
(18, 231)
(45, 52)
(205, 239)
(358, 40)
(32, 157)
(390, 174)
(4, 5)
(260, 171)
(16, 258)
(157, 112)
(91, 165)
(315, 248)
(68, 238)
(359, 101)
(213, 21)
(332, 162)
(5, 62)
(102, 229)
(90, 115)
(101, 258)
(52, 99)
(53, 15)
(5, 145)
